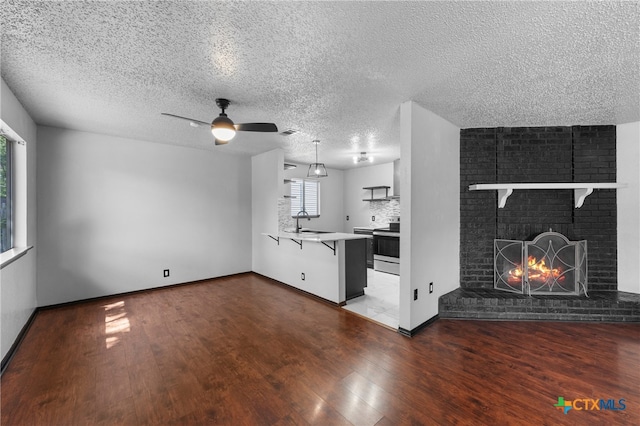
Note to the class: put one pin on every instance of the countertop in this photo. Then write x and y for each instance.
(370, 228)
(318, 238)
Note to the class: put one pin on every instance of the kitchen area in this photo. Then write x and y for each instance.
(380, 302)
(368, 201)
(320, 258)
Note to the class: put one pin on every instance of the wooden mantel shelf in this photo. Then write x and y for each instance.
(581, 190)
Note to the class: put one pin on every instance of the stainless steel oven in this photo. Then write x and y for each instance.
(386, 251)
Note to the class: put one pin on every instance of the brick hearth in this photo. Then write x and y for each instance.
(482, 303)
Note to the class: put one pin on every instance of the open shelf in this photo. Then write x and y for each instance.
(374, 188)
(581, 190)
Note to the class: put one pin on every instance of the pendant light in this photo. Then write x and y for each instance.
(317, 170)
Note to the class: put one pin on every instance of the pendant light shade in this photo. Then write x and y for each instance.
(317, 170)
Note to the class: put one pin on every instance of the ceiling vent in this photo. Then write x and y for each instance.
(289, 132)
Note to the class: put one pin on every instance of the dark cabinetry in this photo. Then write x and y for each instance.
(355, 269)
(368, 243)
(369, 253)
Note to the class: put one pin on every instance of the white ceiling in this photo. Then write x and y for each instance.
(335, 71)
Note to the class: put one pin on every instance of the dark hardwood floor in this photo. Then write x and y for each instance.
(244, 350)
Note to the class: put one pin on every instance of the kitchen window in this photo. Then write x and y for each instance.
(305, 195)
(6, 205)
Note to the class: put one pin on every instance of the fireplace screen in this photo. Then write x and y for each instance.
(550, 264)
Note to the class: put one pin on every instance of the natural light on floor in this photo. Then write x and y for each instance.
(115, 323)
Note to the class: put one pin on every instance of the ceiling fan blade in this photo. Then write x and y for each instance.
(256, 127)
(193, 120)
(219, 142)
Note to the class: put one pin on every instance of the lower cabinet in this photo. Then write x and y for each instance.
(369, 249)
(355, 267)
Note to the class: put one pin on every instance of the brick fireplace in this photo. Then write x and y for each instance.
(537, 155)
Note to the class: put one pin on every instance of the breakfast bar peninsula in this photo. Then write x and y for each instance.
(330, 265)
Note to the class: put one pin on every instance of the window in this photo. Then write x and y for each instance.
(305, 195)
(6, 216)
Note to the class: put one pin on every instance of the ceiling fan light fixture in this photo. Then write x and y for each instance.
(317, 170)
(222, 128)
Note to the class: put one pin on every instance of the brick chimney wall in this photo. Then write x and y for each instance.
(537, 154)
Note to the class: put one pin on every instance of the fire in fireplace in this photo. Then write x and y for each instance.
(550, 264)
(537, 271)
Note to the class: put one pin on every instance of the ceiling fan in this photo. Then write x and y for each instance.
(223, 128)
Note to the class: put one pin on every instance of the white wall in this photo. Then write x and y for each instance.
(628, 163)
(430, 231)
(266, 186)
(18, 279)
(114, 213)
(356, 179)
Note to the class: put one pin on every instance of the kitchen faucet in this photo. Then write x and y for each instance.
(298, 227)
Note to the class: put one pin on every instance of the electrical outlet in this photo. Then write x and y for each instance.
(373, 218)
(166, 273)
(415, 294)
(430, 288)
(347, 217)
(302, 276)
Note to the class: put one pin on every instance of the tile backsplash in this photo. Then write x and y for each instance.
(285, 221)
(383, 210)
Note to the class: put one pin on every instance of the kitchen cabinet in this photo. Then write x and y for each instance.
(369, 244)
(355, 272)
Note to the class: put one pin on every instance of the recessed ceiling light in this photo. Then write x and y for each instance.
(363, 157)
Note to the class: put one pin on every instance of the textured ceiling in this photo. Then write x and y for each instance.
(335, 71)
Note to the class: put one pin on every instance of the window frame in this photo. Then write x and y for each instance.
(9, 196)
(302, 203)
